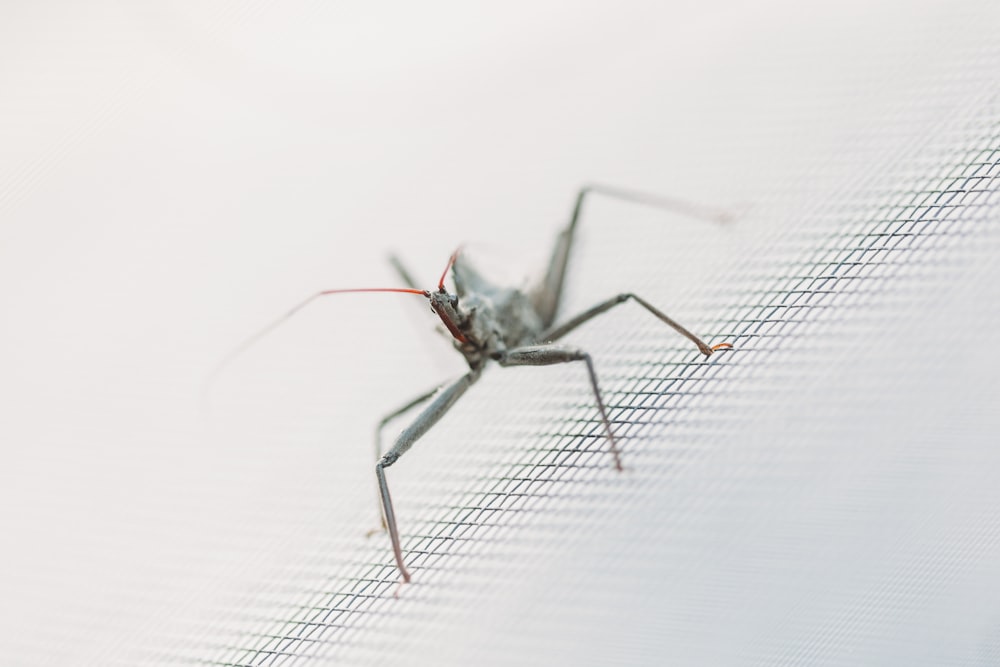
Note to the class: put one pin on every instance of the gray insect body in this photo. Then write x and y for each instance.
(506, 325)
(513, 328)
(492, 319)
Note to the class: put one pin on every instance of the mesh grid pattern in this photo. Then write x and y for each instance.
(860, 275)
(826, 493)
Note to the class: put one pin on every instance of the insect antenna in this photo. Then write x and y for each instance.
(444, 274)
(240, 349)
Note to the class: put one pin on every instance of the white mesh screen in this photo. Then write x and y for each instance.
(825, 493)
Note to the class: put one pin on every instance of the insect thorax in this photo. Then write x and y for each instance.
(494, 319)
(499, 320)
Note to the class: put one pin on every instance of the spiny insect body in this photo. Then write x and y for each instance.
(509, 326)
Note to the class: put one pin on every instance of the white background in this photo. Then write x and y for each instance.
(175, 175)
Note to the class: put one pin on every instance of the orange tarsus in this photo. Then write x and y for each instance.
(722, 346)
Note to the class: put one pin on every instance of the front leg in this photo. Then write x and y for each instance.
(422, 398)
(589, 314)
(440, 404)
(546, 355)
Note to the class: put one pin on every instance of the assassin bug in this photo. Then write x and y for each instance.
(501, 324)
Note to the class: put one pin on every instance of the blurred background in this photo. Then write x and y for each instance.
(175, 175)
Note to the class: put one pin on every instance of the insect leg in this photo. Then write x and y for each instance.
(442, 401)
(378, 435)
(546, 355)
(402, 272)
(403, 409)
(563, 329)
(546, 297)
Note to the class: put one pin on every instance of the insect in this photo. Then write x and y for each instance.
(509, 326)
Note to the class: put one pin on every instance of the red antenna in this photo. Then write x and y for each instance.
(444, 274)
(254, 339)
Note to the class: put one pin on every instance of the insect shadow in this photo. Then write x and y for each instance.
(512, 327)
